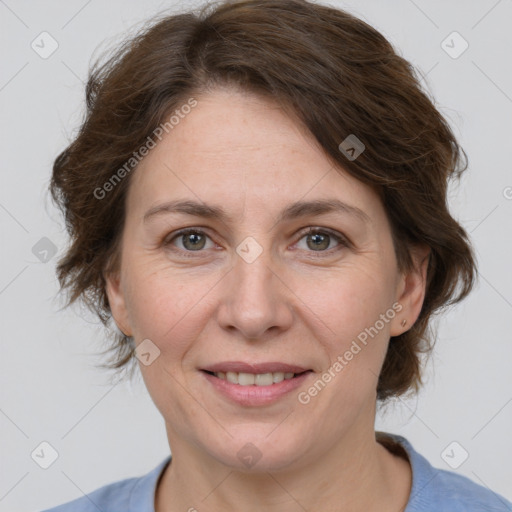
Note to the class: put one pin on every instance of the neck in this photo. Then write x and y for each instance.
(357, 473)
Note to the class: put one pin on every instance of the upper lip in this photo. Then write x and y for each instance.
(242, 367)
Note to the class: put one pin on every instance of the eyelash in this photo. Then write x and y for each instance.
(342, 241)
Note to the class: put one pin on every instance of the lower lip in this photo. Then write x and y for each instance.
(255, 395)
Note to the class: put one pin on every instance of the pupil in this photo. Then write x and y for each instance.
(194, 239)
(321, 239)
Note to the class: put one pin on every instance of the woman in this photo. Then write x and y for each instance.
(257, 198)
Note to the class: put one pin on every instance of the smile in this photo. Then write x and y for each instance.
(251, 379)
(254, 389)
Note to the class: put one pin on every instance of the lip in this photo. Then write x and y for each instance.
(242, 367)
(252, 396)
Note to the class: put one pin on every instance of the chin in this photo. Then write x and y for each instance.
(259, 453)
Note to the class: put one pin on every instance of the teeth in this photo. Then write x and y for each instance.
(230, 377)
(263, 379)
(277, 377)
(245, 379)
(258, 379)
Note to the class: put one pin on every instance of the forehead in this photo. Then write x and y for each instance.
(242, 149)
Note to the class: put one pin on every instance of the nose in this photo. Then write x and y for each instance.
(256, 301)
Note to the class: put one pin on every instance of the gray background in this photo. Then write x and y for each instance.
(103, 431)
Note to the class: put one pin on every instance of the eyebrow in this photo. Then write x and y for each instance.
(292, 211)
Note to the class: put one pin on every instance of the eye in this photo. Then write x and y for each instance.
(320, 239)
(192, 240)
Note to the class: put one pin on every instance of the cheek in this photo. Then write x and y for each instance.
(169, 306)
(347, 302)
(347, 306)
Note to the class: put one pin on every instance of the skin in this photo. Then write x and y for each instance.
(295, 303)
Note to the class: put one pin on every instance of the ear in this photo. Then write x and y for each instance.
(411, 290)
(117, 302)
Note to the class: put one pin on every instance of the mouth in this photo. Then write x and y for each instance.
(255, 379)
(254, 384)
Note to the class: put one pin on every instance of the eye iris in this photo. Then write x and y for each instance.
(322, 239)
(197, 240)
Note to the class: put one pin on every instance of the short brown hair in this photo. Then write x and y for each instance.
(337, 75)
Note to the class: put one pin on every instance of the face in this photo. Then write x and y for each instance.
(242, 279)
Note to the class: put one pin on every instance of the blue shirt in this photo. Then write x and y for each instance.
(433, 490)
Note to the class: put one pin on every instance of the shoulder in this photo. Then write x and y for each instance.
(446, 491)
(132, 494)
(115, 494)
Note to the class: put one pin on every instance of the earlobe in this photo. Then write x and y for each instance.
(117, 303)
(411, 291)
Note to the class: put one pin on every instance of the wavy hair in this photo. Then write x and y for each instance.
(337, 75)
